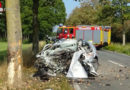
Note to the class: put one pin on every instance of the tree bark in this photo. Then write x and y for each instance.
(123, 33)
(14, 36)
(35, 47)
(124, 37)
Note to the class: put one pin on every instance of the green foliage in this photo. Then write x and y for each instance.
(116, 32)
(105, 15)
(85, 15)
(51, 12)
(121, 9)
(26, 16)
(92, 14)
(119, 48)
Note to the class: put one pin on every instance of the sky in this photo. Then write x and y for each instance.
(128, 4)
(70, 6)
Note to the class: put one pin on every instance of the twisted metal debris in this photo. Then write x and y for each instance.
(75, 59)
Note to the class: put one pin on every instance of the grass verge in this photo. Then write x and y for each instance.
(117, 47)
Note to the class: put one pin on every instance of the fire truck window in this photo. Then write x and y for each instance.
(71, 30)
(65, 30)
(59, 31)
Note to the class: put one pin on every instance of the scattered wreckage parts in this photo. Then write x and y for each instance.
(75, 59)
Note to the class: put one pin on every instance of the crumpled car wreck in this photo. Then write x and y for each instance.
(75, 59)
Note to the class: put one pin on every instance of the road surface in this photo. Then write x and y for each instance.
(114, 73)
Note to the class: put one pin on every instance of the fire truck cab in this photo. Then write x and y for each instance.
(66, 32)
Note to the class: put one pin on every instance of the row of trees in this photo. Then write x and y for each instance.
(38, 17)
(50, 13)
(115, 13)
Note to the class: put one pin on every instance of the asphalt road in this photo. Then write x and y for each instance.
(114, 73)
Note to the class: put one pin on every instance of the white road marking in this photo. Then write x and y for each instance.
(116, 63)
(76, 86)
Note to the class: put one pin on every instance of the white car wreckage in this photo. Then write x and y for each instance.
(73, 58)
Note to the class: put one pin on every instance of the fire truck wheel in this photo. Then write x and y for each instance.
(105, 44)
(98, 47)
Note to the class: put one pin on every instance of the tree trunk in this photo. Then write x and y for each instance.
(124, 38)
(35, 47)
(123, 28)
(123, 34)
(14, 35)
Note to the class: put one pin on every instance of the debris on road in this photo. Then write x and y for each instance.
(120, 70)
(75, 59)
(108, 84)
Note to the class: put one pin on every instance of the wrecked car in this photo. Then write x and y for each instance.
(73, 58)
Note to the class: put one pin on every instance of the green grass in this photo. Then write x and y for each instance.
(28, 58)
(3, 50)
(117, 47)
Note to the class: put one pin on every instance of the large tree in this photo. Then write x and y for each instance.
(85, 15)
(14, 42)
(121, 10)
(54, 9)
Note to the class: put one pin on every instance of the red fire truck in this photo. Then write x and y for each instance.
(99, 35)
